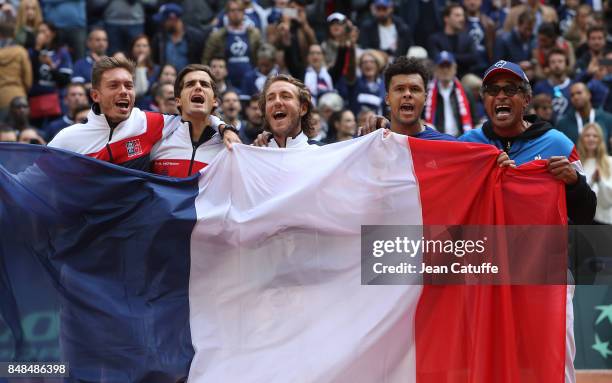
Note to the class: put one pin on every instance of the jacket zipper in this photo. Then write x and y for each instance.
(108, 148)
(192, 158)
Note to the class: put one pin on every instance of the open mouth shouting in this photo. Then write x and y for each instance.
(406, 108)
(503, 111)
(198, 99)
(278, 116)
(123, 106)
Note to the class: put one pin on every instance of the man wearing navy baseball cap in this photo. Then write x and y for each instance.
(506, 96)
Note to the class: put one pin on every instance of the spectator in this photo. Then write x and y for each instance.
(567, 13)
(314, 134)
(254, 121)
(577, 32)
(557, 84)
(31, 136)
(15, 67)
(52, 69)
(199, 14)
(597, 168)
(472, 84)
(606, 79)
(167, 74)
(231, 108)
(97, 44)
(29, 17)
(218, 67)
(75, 97)
(572, 123)
(255, 16)
(293, 35)
(19, 120)
(146, 71)
(7, 134)
(176, 43)
(507, 94)
(385, 31)
(254, 81)
(543, 107)
(80, 114)
(123, 21)
(448, 105)
(366, 91)
(517, 44)
(317, 79)
(547, 40)
(423, 18)
(327, 104)
(587, 63)
(341, 33)
(482, 30)
(454, 39)
(165, 102)
(543, 14)
(236, 42)
(342, 126)
(70, 20)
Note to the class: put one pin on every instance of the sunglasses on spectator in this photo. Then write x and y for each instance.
(509, 90)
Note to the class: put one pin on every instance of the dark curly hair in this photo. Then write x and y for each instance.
(404, 65)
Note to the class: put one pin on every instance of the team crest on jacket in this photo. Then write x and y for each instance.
(133, 148)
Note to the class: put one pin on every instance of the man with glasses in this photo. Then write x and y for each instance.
(506, 95)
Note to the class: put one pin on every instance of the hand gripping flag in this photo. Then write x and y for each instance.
(251, 271)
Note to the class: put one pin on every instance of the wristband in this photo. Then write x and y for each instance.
(228, 127)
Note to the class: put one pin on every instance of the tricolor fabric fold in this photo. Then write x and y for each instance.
(251, 272)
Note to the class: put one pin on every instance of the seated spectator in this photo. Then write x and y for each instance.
(314, 133)
(543, 13)
(482, 30)
(237, 43)
(448, 106)
(547, 40)
(366, 91)
(52, 69)
(16, 73)
(75, 98)
(7, 134)
(572, 124)
(231, 108)
(97, 43)
(588, 62)
(19, 118)
(70, 24)
(341, 126)
(557, 83)
(29, 17)
(80, 114)
(254, 81)
(385, 31)
(253, 125)
(31, 136)
(517, 44)
(218, 67)
(543, 107)
(165, 102)
(327, 104)
(472, 84)
(567, 12)
(167, 74)
(146, 71)
(176, 43)
(316, 78)
(454, 39)
(577, 32)
(597, 166)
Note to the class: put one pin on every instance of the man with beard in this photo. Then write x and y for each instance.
(287, 109)
(192, 142)
(557, 83)
(115, 131)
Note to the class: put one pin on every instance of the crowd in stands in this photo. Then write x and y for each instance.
(337, 48)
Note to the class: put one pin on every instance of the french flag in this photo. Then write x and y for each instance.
(251, 271)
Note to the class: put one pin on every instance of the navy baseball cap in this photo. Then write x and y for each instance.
(167, 10)
(507, 67)
(383, 3)
(445, 57)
